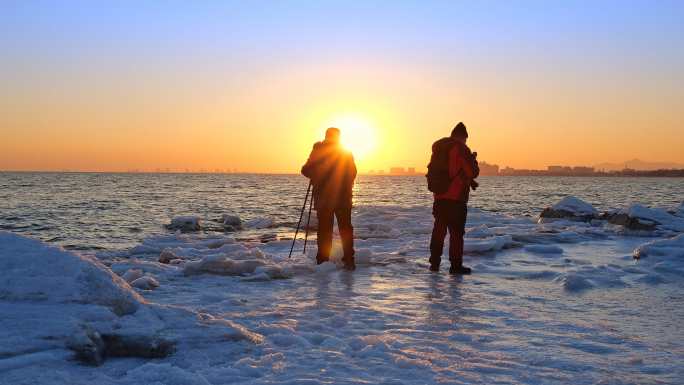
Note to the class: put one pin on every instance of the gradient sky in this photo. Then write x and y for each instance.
(116, 85)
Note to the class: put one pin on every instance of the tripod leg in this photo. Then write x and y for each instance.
(308, 222)
(300, 220)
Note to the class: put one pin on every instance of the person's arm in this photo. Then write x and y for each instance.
(309, 168)
(352, 168)
(466, 162)
(471, 160)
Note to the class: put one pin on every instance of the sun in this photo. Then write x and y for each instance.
(358, 133)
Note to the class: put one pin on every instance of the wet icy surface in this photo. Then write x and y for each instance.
(546, 303)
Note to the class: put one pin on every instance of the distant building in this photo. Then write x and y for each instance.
(555, 168)
(411, 171)
(397, 171)
(488, 169)
(507, 170)
(579, 170)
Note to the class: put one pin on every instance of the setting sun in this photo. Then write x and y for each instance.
(358, 134)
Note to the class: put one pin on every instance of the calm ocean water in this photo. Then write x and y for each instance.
(89, 211)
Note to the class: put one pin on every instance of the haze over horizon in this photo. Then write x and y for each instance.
(111, 86)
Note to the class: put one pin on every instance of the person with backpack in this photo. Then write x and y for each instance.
(332, 171)
(451, 173)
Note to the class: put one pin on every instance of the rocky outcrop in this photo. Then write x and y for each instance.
(631, 223)
(231, 222)
(569, 208)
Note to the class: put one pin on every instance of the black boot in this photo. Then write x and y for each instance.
(320, 259)
(459, 270)
(434, 263)
(349, 263)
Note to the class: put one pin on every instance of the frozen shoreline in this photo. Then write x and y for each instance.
(551, 302)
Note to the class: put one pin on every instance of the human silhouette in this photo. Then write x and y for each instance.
(449, 208)
(332, 171)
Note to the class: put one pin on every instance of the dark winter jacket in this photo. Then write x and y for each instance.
(332, 170)
(463, 164)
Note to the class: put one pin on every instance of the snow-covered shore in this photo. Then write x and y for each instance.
(548, 301)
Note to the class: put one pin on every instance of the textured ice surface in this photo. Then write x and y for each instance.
(546, 303)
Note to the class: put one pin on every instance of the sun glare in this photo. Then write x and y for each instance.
(358, 134)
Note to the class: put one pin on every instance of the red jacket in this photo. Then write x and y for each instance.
(463, 165)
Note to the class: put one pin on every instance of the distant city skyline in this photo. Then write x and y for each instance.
(485, 169)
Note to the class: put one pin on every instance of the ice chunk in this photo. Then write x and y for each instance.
(394, 233)
(64, 296)
(186, 223)
(677, 211)
(145, 283)
(481, 231)
(187, 241)
(574, 282)
(673, 247)
(544, 249)
(142, 249)
(476, 245)
(220, 265)
(259, 223)
(131, 275)
(363, 256)
(412, 363)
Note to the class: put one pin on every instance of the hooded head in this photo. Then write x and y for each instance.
(460, 130)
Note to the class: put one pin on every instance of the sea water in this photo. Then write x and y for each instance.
(92, 211)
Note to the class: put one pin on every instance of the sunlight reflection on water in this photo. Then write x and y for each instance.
(112, 210)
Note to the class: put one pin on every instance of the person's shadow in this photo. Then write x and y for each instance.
(443, 299)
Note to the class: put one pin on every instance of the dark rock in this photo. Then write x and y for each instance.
(563, 214)
(569, 208)
(137, 346)
(88, 346)
(629, 222)
(167, 256)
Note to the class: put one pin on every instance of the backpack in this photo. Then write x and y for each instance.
(438, 177)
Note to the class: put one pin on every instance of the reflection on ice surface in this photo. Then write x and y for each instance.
(547, 303)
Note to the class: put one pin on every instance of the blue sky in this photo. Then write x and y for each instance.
(609, 66)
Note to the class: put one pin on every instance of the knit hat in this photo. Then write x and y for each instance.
(460, 130)
(333, 133)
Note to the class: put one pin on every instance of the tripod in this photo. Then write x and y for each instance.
(308, 221)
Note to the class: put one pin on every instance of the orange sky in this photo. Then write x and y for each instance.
(111, 87)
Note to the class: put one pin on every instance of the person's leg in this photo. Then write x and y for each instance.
(439, 231)
(457, 221)
(324, 234)
(346, 229)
